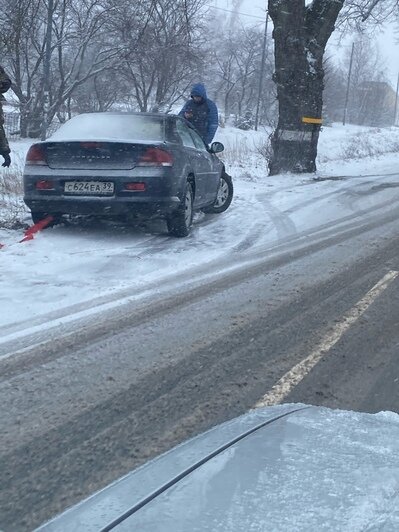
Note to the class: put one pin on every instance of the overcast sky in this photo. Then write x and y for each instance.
(253, 12)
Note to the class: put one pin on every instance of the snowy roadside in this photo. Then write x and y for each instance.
(70, 264)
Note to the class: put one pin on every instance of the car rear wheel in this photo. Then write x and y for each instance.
(224, 195)
(180, 222)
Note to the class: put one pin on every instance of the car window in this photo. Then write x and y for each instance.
(199, 143)
(171, 133)
(133, 127)
(184, 134)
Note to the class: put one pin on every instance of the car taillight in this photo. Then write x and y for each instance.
(155, 157)
(36, 155)
(136, 186)
(45, 184)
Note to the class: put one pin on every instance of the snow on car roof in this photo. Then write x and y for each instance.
(132, 127)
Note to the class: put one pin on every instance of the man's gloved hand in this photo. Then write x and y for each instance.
(7, 159)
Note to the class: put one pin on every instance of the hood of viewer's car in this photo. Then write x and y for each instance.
(288, 467)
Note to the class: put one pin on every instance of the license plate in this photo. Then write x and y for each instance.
(88, 188)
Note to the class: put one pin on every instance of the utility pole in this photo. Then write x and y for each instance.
(46, 69)
(348, 85)
(396, 101)
(262, 70)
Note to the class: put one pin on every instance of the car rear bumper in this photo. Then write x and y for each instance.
(135, 206)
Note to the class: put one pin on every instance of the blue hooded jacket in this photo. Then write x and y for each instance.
(204, 114)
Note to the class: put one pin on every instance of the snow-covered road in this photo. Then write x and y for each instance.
(121, 342)
(75, 264)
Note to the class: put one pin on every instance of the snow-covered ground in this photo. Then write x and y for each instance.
(70, 264)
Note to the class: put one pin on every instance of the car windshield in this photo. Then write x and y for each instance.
(113, 126)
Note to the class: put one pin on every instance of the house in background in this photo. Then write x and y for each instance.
(374, 104)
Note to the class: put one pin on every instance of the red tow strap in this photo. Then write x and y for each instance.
(35, 228)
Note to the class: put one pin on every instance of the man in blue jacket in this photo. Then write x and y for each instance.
(201, 112)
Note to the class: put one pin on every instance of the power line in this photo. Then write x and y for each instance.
(338, 45)
(236, 12)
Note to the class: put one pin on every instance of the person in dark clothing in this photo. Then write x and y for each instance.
(5, 84)
(201, 112)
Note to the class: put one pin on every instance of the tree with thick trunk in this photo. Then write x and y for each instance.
(300, 35)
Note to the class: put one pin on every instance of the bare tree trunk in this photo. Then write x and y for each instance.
(300, 34)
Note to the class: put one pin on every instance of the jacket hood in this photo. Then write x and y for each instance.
(199, 90)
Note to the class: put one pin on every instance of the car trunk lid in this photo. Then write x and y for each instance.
(93, 155)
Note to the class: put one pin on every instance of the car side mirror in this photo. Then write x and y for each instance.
(216, 147)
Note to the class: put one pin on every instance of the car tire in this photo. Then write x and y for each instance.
(39, 216)
(224, 195)
(179, 223)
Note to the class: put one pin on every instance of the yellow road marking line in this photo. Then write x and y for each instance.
(293, 377)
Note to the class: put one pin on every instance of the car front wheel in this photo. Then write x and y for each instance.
(224, 195)
(180, 222)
